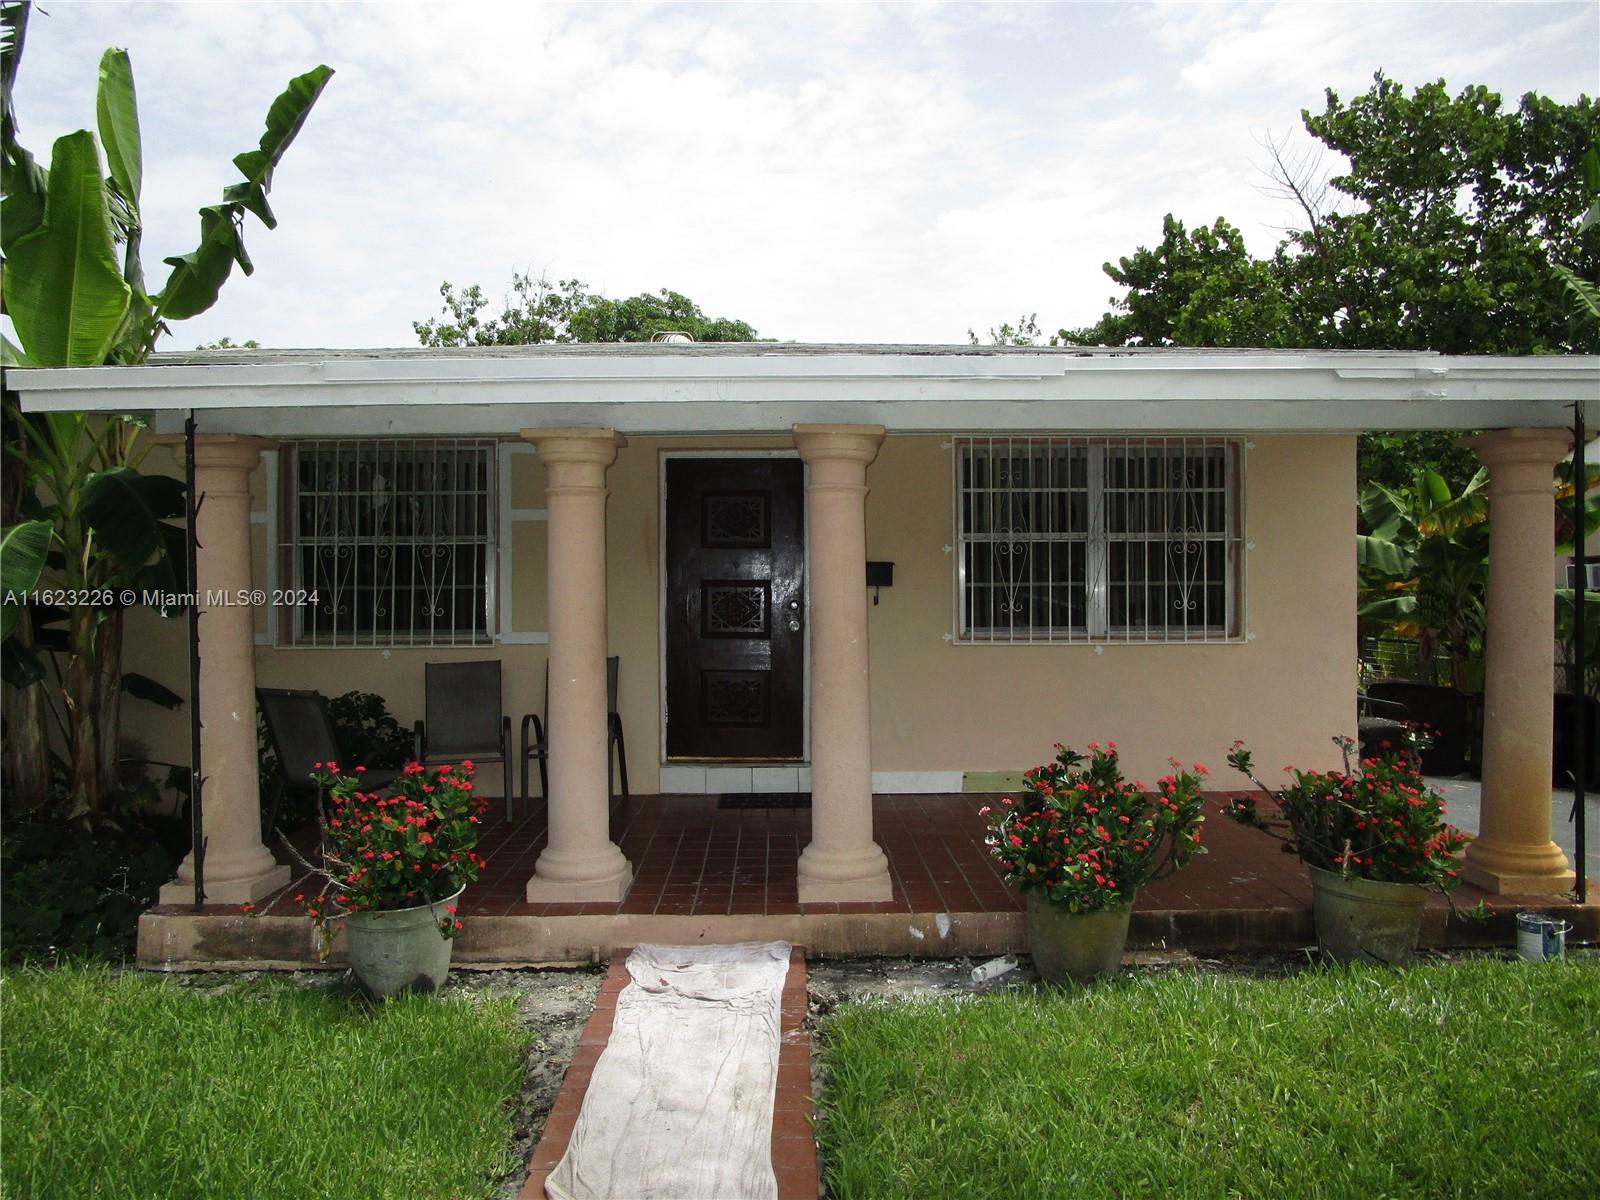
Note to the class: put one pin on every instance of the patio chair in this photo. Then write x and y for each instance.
(301, 734)
(464, 717)
(1372, 729)
(538, 746)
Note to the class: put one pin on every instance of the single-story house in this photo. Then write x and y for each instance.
(1152, 546)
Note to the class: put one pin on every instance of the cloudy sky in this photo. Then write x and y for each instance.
(855, 173)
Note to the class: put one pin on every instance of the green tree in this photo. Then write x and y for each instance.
(1194, 289)
(74, 288)
(1441, 235)
(1424, 565)
(536, 310)
(1025, 332)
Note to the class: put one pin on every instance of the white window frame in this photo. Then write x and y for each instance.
(1591, 569)
(1098, 540)
(292, 626)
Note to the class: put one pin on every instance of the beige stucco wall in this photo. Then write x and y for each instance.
(936, 706)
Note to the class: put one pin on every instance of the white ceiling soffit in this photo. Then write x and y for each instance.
(769, 389)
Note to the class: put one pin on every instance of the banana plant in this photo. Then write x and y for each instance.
(74, 287)
(1424, 565)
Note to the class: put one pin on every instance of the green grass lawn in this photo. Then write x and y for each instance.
(1477, 1078)
(133, 1086)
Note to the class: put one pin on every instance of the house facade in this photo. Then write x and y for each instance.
(1148, 546)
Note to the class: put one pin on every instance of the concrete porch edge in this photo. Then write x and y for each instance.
(182, 941)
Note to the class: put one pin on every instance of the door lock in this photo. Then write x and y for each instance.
(794, 625)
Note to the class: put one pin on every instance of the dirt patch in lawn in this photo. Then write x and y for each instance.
(554, 1006)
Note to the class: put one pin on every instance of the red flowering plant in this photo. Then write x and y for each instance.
(1087, 839)
(411, 844)
(1381, 822)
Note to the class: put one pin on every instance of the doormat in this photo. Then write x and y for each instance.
(764, 800)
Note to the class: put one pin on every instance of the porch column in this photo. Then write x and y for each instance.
(842, 862)
(238, 868)
(580, 862)
(1513, 851)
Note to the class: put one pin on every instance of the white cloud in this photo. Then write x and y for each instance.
(853, 171)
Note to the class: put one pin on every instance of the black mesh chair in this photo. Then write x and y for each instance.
(301, 734)
(464, 718)
(537, 746)
(1373, 728)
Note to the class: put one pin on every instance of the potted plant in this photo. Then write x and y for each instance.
(1079, 843)
(1374, 839)
(394, 865)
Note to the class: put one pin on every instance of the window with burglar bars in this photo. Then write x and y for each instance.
(1081, 539)
(390, 542)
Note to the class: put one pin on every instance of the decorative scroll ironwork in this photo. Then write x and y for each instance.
(735, 519)
(735, 610)
(736, 697)
(1074, 539)
(394, 539)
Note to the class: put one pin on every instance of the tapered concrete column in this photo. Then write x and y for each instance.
(842, 862)
(238, 868)
(580, 861)
(1513, 851)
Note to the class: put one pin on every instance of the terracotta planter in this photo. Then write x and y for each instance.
(1363, 921)
(400, 948)
(1077, 946)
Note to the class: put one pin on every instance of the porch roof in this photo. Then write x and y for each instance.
(767, 387)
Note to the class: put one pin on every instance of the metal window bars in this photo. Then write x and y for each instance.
(391, 542)
(1076, 539)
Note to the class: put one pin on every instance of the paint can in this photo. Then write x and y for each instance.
(1541, 937)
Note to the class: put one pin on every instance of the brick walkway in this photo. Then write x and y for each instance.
(794, 1148)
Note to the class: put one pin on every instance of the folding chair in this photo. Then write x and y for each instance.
(538, 746)
(464, 718)
(300, 731)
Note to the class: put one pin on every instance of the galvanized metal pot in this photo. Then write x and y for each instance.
(1363, 921)
(1078, 946)
(399, 948)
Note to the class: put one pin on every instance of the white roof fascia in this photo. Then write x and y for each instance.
(729, 391)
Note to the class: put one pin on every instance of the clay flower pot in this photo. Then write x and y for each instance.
(1080, 946)
(394, 949)
(1364, 921)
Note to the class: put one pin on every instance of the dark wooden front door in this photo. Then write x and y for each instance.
(736, 608)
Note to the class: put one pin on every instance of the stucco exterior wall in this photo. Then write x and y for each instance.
(936, 706)
(1285, 689)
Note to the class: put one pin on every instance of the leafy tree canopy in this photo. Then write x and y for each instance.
(537, 310)
(1443, 234)
(1440, 236)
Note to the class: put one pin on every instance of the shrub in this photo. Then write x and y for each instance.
(1382, 822)
(69, 894)
(1085, 838)
(415, 845)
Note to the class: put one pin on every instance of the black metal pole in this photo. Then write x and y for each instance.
(191, 577)
(1580, 698)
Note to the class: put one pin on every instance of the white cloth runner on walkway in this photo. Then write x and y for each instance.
(680, 1103)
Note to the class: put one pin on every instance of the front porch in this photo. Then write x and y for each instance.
(704, 873)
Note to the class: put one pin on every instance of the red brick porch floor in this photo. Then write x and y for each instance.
(707, 874)
(794, 1147)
